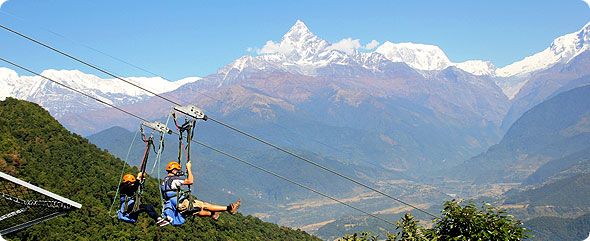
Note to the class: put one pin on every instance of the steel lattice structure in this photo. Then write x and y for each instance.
(23, 204)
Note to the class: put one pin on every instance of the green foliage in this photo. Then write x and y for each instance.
(36, 148)
(361, 237)
(460, 221)
(467, 222)
(410, 230)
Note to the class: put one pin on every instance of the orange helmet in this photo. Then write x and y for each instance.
(128, 178)
(173, 165)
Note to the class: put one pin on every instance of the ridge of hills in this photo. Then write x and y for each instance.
(550, 131)
(563, 228)
(36, 148)
(542, 163)
(547, 83)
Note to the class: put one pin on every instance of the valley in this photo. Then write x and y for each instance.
(403, 119)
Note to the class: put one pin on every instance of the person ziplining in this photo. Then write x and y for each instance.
(129, 211)
(178, 206)
(131, 188)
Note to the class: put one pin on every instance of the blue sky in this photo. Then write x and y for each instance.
(178, 39)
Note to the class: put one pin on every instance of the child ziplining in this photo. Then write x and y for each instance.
(128, 211)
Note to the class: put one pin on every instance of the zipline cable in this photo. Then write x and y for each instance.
(224, 124)
(286, 179)
(322, 167)
(161, 76)
(212, 148)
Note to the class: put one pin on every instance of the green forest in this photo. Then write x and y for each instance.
(36, 148)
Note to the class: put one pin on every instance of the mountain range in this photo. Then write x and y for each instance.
(408, 100)
(401, 113)
(60, 101)
(301, 52)
(546, 141)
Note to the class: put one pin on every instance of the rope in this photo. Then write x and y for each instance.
(79, 43)
(158, 161)
(160, 148)
(122, 172)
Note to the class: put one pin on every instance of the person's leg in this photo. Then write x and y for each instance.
(203, 213)
(149, 209)
(214, 207)
(132, 215)
(231, 208)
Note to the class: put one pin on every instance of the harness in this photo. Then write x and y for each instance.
(167, 191)
(127, 200)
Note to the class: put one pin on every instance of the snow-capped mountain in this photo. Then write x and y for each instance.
(477, 67)
(561, 51)
(59, 100)
(302, 52)
(418, 56)
(430, 57)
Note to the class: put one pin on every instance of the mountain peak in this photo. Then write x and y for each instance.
(299, 35)
(562, 50)
(418, 56)
(297, 31)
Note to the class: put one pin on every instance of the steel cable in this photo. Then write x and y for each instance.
(215, 149)
(221, 123)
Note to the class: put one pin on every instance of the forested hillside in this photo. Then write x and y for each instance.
(554, 228)
(571, 192)
(36, 148)
(555, 131)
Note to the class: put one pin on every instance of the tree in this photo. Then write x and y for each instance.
(460, 221)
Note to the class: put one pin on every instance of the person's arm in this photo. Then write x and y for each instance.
(189, 175)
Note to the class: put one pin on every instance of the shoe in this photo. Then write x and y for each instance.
(215, 215)
(234, 207)
(162, 222)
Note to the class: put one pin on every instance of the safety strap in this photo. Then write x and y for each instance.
(149, 144)
(158, 160)
(126, 206)
(189, 127)
(137, 202)
(121, 177)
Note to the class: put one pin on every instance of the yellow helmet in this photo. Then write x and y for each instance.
(128, 178)
(173, 165)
